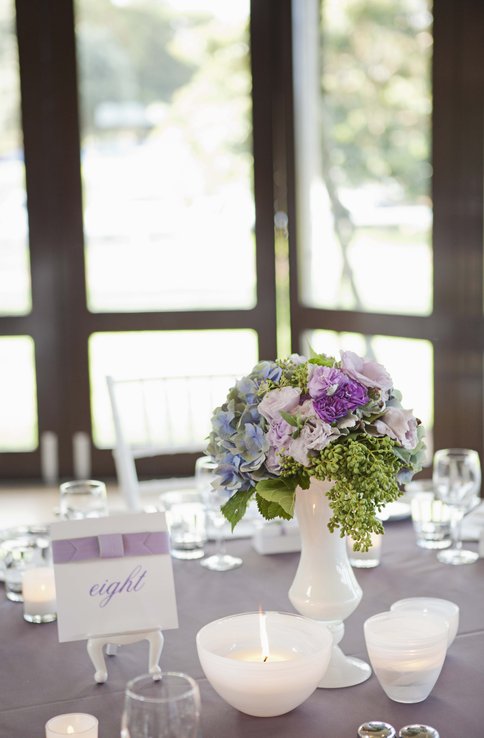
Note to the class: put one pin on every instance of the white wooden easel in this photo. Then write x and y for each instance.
(96, 644)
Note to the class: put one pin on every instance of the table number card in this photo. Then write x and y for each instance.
(113, 575)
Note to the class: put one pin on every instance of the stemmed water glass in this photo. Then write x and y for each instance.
(457, 478)
(214, 498)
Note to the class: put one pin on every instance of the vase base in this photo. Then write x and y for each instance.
(344, 671)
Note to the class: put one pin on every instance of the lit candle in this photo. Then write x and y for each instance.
(38, 587)
(264, 654)
(75, 723)
(264, 664)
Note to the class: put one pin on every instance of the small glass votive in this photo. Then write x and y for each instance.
(161, 708)
(20, 555)
(445, 608)
(38, 587)
(186, 520)
(407, 652)
(431, 520)
(83, 498)
(365, 559)
(72, 724)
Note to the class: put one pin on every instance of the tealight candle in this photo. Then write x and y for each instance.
(73, 724)
(38, 588)
(264, 664)
(365, 559)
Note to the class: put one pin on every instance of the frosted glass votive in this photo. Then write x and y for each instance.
(445, 608)
(72, 724)
(407, 651)
(258, 683)
(365, 559)
(38, 588)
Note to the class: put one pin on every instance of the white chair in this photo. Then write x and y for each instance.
(153, 416)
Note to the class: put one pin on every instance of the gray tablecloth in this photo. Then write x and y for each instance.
(40, 678)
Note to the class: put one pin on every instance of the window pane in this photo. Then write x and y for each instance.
(363, 142)
(165, 354)
(18, 394)
(409, 362)
(166, 154)
(15, 298)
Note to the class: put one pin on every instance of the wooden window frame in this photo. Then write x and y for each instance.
(60, 323)
(456, 325)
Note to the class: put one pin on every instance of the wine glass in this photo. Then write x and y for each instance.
(213, 499)
(166, 708)
(457, 478)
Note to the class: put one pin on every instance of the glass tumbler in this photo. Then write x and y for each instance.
(83, 498)
(166, 708)
(19, 555)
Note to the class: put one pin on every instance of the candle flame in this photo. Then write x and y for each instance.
(264, 640)
(70, 730)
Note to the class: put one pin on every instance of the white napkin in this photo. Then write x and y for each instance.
(473, 524)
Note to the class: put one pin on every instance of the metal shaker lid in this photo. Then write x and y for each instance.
(418, 731)
(376, 729)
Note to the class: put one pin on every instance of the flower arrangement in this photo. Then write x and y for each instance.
(297, 418)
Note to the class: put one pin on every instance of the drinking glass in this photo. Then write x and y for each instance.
(166, 708)
(457, 478)
(83, 498)
(185, 515)
(213, 499)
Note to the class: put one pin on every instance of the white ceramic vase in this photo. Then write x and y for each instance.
(325, 587)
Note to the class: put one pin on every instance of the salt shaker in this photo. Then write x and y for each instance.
(418, 731)
(376, 729)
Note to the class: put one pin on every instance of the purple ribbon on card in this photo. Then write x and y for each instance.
(110, 546)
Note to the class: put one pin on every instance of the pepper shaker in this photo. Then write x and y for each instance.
(376, 729)
(418, 731)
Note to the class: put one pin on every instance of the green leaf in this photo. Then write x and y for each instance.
(234, 509)
(304, 481)
(271, 510)
(321, 360)
(280, 490)
(291, 419)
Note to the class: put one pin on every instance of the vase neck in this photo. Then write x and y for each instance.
(313, 503)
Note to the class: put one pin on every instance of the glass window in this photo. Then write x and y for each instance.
(408, 360)
(15, 295)
(364, 152)
(165, 96)
(18, 394)
(172, 354)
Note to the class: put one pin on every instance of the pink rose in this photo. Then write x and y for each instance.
(279, 433)
(313, 437)
(369, 373)
(400, 425)
(284, 398)
(273, 462)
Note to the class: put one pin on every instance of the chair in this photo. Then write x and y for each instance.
(153, 416)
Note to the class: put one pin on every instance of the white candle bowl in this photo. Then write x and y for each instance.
(232, 658)
(407, 652)
(445, 608)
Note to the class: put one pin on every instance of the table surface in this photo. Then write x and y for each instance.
(40, 678)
